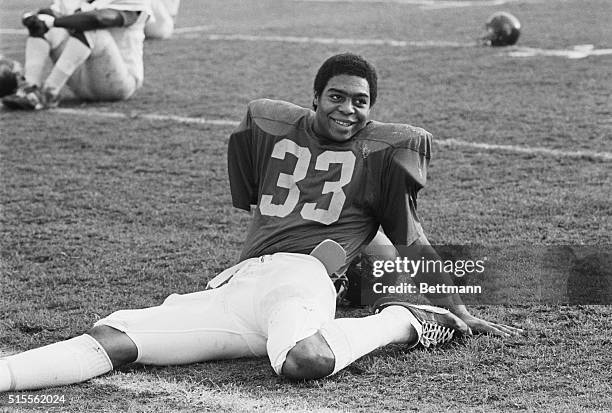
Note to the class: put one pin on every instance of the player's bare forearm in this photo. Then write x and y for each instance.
(96, 19)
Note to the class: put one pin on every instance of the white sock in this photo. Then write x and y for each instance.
(67, 362)
(74, 55)
(36, 57)
(352, 338)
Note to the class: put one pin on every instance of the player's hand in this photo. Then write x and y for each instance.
(480, 326)
(37, 24)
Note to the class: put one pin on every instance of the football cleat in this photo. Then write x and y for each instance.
(435, 325)
(10, 76)
(30, 97)
(503, 29)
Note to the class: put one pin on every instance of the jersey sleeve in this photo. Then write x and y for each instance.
(406, 174)
(251, 145)
(240, 162)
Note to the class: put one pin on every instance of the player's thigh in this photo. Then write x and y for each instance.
(187, 329)
(286, 275)
(104, 75)
(297, 298)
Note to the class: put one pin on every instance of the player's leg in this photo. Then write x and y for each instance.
(39, 52)
(340, 342)
(191, 328)
(68, 59)
(304, 339)
(37, 58)
(305, 342)
(296, 298)
(104, 75)
(345, 340)
(66, 362)
(162, 24)
(184, 329)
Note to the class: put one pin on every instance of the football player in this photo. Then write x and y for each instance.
(161, 26)
(96, 48)
(307, 176)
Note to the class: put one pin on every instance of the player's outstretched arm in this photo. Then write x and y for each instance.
(478, 325)
(454, 303)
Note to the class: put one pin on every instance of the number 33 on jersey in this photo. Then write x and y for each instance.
(309, 210)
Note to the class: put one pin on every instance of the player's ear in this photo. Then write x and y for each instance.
(314, 101)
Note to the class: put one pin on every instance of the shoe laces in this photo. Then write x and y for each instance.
(434, 334)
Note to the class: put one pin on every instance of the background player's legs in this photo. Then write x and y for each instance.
(67, 53)
(104, 75)
(38, 52)
(36, 60)
(75, 51)
(162, 26)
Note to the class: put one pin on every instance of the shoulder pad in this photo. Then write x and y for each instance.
(398, 135)
(276, 117)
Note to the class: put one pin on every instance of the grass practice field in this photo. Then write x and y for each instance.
(106, 206)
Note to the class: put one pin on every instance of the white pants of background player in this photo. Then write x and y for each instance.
(102, 76)
(161, 26)
(270, 304)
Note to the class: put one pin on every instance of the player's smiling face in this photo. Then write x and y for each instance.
(343, 109)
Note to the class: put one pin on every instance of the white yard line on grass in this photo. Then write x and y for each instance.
(328, 40)
(429, 4)
(149, 116)
(184, 393)
(558, 153)
(201, 396)
(196, 33)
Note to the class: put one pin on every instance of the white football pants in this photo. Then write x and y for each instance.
(270, 304)
(104, 75)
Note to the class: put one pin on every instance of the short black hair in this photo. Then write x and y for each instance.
(346, 64)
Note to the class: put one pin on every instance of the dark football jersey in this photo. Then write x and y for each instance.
(306, 188)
